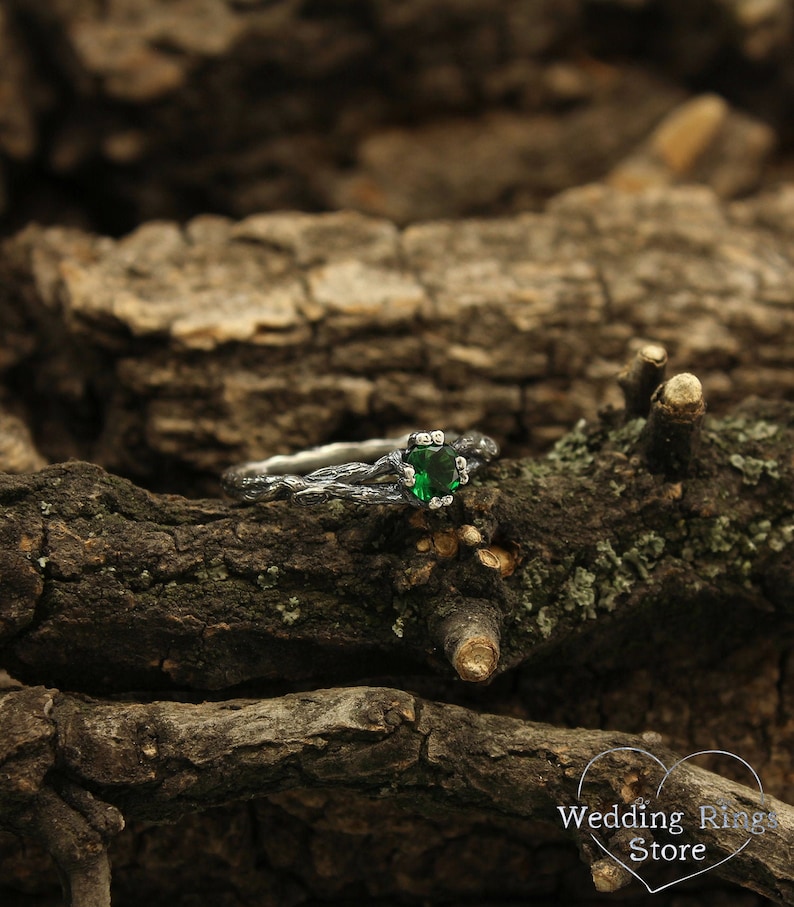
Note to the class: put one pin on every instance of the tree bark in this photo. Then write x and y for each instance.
(160, 591)
(137, 113)
(171, 594)
(626, 579)
(173, 352)
(159, 760)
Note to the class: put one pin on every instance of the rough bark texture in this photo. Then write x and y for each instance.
(164, 593)
(172, 353)
(158, 761)
(161, 591)
(163, 653)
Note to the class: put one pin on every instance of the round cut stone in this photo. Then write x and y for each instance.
(436, 473)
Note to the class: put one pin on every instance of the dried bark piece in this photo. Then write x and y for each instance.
(410, 174)
(239, 107)
(17, 450)
(21, 94)
(763, 30)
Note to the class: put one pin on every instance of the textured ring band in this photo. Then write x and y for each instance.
(427, 469)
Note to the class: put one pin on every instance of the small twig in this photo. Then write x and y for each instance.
(78, 848)
(469, 636)
(672, 435)
(640, 378)
(36, 802)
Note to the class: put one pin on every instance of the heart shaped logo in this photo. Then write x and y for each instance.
(681, 857)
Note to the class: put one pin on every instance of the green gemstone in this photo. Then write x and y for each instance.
(436, 472)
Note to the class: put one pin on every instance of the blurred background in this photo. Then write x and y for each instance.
(114, 112)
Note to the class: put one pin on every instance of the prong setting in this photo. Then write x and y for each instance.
(462, 465)
(437, 503)
(437, 437)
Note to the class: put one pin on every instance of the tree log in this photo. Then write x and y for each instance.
(162, 759)
(639, 577)
(213, 606)
(161, 592)
(615, 556)
(173, 352)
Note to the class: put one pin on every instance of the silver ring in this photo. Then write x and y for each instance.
(427, 469)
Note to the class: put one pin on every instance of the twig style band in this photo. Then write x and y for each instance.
(427, 470)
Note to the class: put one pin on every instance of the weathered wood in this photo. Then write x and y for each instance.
(106, 585)
(610, 595)
(110, 587)
(174, 352)
(159, 760)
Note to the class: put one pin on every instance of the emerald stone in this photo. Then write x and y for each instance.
(436, 472)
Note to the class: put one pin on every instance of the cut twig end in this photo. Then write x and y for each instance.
(653, 353)
(683, 393)
(476, 659)
(672, 434)
(470, 637)
(609, 876)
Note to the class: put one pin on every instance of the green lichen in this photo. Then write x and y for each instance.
(709, 540)
(731, 431)
(781, 536)
(578, 592)
(644, 554)
(573, 447)
(268, 579)
(535, 470)
(615, 578)
(716, 544)
(610, 575)
(289, 612)
(406, 613)
(579, 446)
(710, 536)
(546, 622)
(538, 579)
(625, 437)
(335, 507)
(753, 468)
(213, 572)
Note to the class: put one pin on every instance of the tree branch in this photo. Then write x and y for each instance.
(159, 591)
(160, 760)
